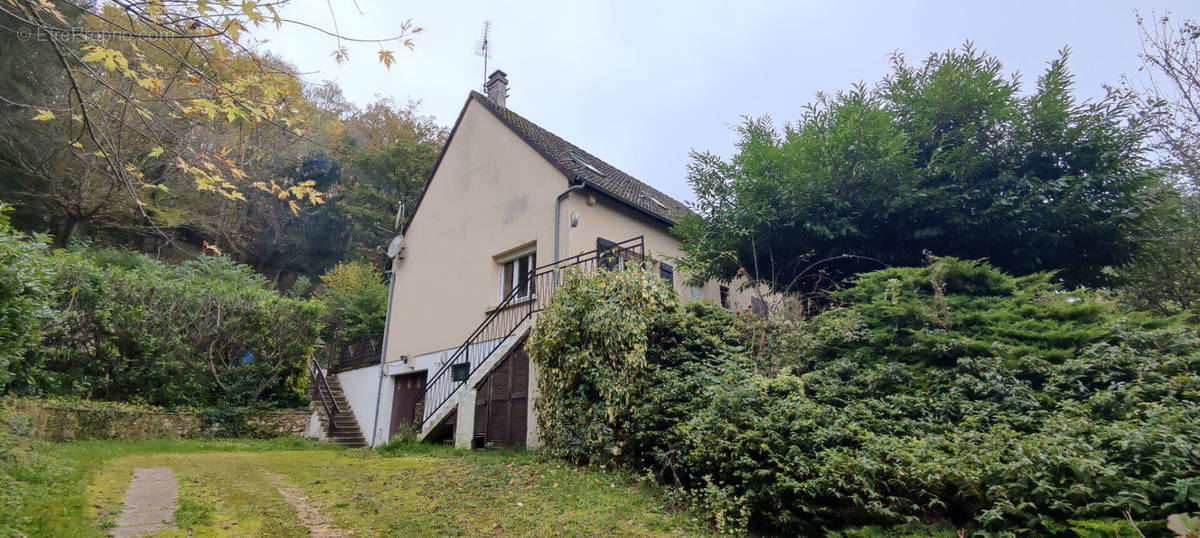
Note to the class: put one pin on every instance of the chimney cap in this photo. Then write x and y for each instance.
(497, 74)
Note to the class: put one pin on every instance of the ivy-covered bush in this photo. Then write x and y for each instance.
(950, 394)
(208, 332)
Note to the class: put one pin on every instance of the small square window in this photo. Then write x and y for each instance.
(460, 372)
(667, 273)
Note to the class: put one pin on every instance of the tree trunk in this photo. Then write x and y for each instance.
(67, 230)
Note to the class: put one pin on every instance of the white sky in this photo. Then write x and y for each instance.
(639, 84)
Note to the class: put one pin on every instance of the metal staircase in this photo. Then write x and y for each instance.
(506, 324)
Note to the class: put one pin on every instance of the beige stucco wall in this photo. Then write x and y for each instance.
(492, 193)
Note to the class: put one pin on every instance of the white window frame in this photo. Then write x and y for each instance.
(530, 252)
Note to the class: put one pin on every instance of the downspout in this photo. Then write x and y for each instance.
(387, 324)
(558, 208)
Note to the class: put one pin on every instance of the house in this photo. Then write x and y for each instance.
(506, 200)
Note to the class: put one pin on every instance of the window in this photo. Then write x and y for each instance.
(724, 296)
(667, 273)
(517, 274)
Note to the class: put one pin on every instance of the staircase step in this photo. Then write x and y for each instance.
(341, 428)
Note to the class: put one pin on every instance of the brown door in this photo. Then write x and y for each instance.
(501, 402)
(404, 400)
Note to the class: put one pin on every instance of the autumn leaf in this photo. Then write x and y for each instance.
(112, 59)
(387, 58)
(43, 115)
(155, 152)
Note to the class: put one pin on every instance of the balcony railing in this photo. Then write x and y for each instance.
(501, 322)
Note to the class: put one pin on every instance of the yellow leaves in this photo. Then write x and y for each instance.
(43, 115)
(275, 18)
(149, 83)
(155, 152)
(110, 58)
(76, 145)
(210, 248)
(250, 9)
(387, 58)
(209, 178)
(300, 192)
(307, 189)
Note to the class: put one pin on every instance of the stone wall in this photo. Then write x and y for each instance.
(58, 421)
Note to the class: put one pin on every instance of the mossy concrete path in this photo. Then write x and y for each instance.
(149, 503)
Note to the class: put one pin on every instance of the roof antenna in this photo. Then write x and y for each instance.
(483, 47)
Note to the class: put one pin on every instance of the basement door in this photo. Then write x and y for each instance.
(502, 402)
(404, 400)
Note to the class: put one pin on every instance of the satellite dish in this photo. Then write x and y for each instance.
(395, 246)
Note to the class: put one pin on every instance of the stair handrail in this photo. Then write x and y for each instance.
(533, 303)
(327, 399)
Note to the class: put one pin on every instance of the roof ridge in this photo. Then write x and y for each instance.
(594, 170)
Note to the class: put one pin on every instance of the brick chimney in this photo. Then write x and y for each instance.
(497, 87)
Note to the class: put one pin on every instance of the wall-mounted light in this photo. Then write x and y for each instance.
(404, 359)
(574, 219)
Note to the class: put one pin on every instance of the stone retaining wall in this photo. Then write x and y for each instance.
(58, 421)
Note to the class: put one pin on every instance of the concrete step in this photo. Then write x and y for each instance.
(342, 428)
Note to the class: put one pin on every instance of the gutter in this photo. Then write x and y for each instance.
(558, 208)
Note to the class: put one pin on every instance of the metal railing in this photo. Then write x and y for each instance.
(324, 393)
(501, 322)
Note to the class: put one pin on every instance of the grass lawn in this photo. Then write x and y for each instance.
(238, 488)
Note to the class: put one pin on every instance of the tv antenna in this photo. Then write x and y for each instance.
(483, 47)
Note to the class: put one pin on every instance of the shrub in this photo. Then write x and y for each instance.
(355, 301)
(24, 281)
(951, 393)
(207, 332)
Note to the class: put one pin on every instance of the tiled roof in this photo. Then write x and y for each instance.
(577, 163)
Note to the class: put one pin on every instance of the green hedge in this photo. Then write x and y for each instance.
(951, 394)
(116, 325)
(208, 332)
(24, 281)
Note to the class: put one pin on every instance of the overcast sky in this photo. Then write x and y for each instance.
(640, 84)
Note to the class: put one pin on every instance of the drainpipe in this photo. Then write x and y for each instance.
(387, 323)
(558, 208)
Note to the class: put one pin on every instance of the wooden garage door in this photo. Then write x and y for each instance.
(501, 404)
